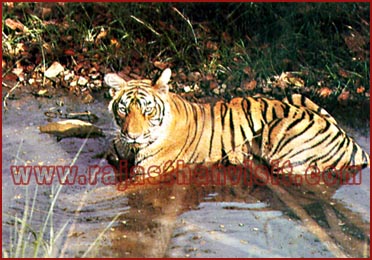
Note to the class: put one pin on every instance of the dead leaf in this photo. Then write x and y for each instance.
(45, 12)
(10, 76)
(360, 90)
(250, 85)
(115, 42)
(343, 98)
(324, 92)
(298, 82)
(10, 5)
(212, 45)
(54, 70)
(14, 25)
(343, 73)
(15, 50)
(226, 37)
(209, 77)
(102, 34)
(161, 65)
(282, 81)
(213, 85)
(69, 52)
(47, 47)
(247, 70)
(17, 71)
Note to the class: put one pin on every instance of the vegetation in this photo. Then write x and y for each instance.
(209, 44)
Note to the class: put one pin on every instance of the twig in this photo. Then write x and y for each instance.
(7, 94)
(145, 24)
(188, 22)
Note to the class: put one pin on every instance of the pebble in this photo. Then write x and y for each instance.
(82, 81)
(194, 76)
(68, 75)
(216, 91)
(53, 70)
(187, 89)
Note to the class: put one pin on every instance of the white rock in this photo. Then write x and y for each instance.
(82, 81)
(73, 83)
(187, 89)
(54, 70)
(69, 75)
(216, 91)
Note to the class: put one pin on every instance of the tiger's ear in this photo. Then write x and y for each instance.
(161, 84)
(114, 82)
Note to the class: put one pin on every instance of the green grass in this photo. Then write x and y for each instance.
(30, 240)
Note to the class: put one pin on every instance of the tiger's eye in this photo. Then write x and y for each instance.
(149, 110)
(122, 110)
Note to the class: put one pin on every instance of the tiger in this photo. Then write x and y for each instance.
(160, 128)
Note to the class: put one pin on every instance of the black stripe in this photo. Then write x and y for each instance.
(295, 136)
(212, 129)
(271, 128)
(232, 130)
(246, 142)
(201, 108)
(333, 140)
(309, 140)
(308, 160)
(129, 92)
(303, 101)
(296, 122)
(330, 156)
(365, 159)
(188, 129)
(264, 110)
(354, 153)
(246, 109)
(290, 100)
(286, 110)
(176, 105)
(150, 155)
(195, 115)
(223, 111)
(273, 112)
(328, 125)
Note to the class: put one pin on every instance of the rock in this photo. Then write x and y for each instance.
(186, 89)
(82, 81)
(216, 91)
(71, 128)
(68, 75)
(54, 70)
(194, 76)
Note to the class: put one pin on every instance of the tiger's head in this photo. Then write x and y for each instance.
(140, 108)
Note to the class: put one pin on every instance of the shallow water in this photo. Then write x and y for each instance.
(178, 221)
